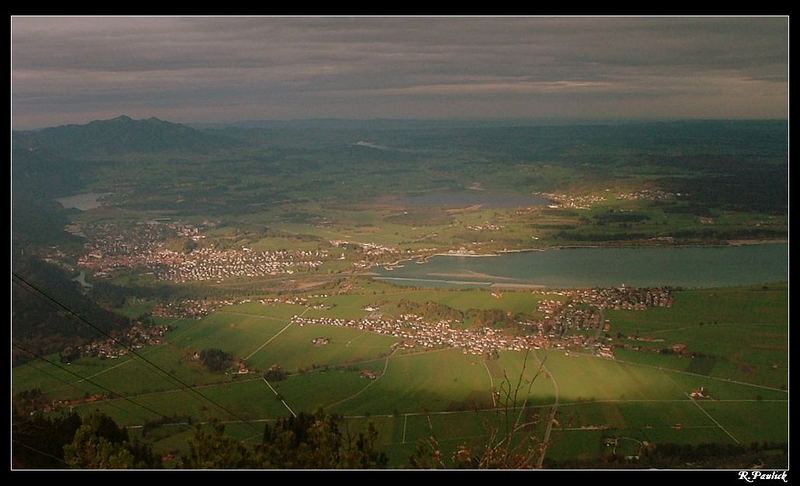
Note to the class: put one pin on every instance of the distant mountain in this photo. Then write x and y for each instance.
(121, 135)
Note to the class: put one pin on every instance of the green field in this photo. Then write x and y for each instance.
(743, 332)
(641, 396)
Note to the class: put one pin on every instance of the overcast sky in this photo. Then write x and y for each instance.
(73, 70)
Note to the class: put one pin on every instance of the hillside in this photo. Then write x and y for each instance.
(121, 135)
(39, 325)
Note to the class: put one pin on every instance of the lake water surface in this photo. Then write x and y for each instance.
(605, 267)
(85, 201)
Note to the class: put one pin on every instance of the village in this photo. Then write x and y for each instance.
(561, 327)
(650, 195)
(144, 246)
(371, 254)
(192, 308)
(485, 227)
(211, 264)
(416, 332)
(571, 201)
(627, 298)
(136, 337)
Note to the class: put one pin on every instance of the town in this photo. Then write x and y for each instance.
(146, 246)
(582, 311)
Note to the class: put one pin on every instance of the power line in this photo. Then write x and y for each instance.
(113, 393)
(40, 452)
(130, 349)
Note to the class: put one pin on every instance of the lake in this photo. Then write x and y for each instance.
(604, 267)
(85, 201)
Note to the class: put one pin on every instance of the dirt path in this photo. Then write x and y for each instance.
(713, 419)
(282, 400)
(372, 382)
(491, 383)
(278, 333)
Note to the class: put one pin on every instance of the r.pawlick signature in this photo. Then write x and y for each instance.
(752, 476)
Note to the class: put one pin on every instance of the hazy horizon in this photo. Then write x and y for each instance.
(68, 70)
(522, 121)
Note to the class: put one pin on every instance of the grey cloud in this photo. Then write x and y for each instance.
(323, 64)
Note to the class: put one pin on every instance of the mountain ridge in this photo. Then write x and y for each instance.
(121, 135)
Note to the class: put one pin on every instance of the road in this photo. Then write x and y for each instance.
(282, 400)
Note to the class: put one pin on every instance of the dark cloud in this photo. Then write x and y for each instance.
(225, 69)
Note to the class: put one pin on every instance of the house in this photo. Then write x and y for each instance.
(699, 393)
(679, 348)
(369, 374)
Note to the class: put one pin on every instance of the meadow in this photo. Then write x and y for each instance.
(642, 396)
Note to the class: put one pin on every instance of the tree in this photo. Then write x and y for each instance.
(308, 441)
(99, 443)
(39, 441)
(216, 359)
(214, 450)
(274, 373)
(91, 451)
(319, 441)
(511, 442)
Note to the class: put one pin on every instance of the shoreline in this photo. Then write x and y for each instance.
(421, 259)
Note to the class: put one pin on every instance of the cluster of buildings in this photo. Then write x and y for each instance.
(650, 195)
(137, 336)
(371, 253)
(58, 404)
(212, 264)
(144, 245)
(562, 317)
(415, 332)
(284, 300)
(369, 249)
(193, 308)
(111, 246)
(485, 227)
(581, 311)
(572, 201)
(621, 298)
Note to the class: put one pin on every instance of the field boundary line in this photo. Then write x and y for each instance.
(259, 316)
(269, 341)
(673, 370)
(279, 332)
(491, 383)
(455, 412)
(130, 358)
(281, 398)
(174, 390)
(713, 419)
(347, 345)
(359, 392)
